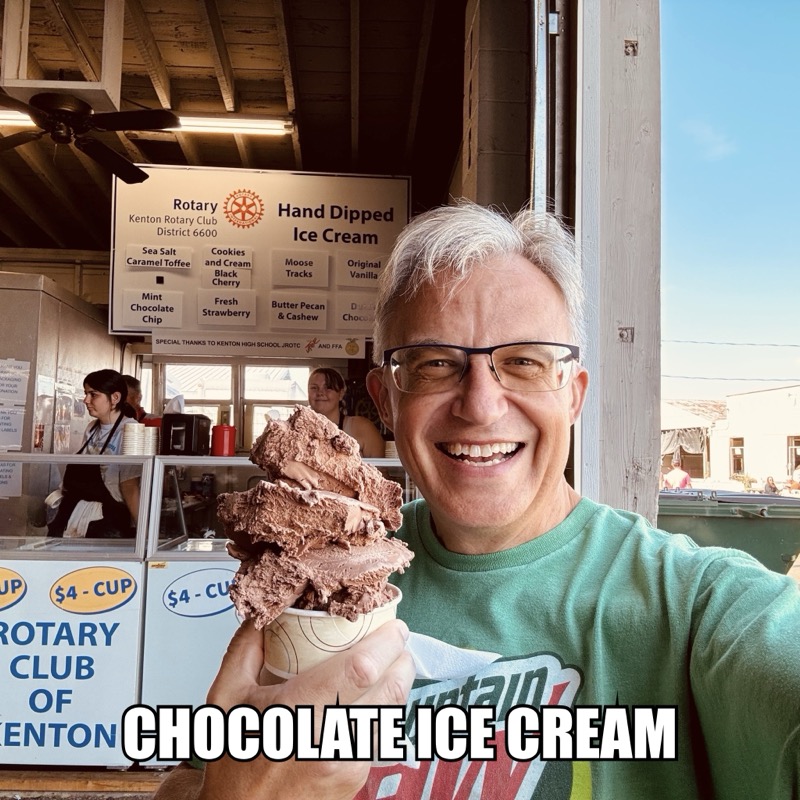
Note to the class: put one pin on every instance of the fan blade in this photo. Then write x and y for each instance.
(23, 137)
(111, 160)
(7, 101)
(39, 117)
(155, 119)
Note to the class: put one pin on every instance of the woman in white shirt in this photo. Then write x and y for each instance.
(100, 500)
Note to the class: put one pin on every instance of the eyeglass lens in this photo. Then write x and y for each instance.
(526, 367)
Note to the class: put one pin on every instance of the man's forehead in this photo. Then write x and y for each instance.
(508, 297)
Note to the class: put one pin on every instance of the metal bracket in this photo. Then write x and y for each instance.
(625, 335)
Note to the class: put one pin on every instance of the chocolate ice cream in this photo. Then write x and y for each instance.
(312, 536)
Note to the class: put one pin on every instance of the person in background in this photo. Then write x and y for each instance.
(135, 397)
(770, 487)
(326, 392)
(537, 595)
(100, 500)
(677, 477)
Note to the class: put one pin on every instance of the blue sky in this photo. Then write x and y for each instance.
(730, 268)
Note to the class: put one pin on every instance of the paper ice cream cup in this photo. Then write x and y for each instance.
(298, 640)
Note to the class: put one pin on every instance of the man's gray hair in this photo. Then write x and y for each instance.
(442, 247)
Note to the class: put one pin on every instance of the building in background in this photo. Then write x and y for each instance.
(685, 429)
(759, 437)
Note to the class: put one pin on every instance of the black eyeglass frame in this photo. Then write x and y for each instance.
(574, 350)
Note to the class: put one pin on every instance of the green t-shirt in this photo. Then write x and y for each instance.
(605, 610)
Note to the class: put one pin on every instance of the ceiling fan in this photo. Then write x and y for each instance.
(70, 120)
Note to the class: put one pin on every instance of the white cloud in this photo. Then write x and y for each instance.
(714, 145)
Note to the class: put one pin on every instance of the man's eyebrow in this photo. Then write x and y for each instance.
(423, 342)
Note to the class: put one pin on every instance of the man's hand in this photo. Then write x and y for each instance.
(375, 672)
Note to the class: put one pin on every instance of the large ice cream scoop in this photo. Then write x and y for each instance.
(313, 537)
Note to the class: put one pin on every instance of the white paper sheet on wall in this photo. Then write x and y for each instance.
(10, 479)
(11, 421)
(14, 381)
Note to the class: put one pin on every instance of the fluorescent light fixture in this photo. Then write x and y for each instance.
(15, 119)
(251, 126)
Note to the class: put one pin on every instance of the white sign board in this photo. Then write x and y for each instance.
(189, 622)
(288, 253)
(270, 345)
(69, 660)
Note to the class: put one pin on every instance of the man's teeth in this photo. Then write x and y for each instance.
(482, 451)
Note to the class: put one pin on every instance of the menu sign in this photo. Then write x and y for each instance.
(295, 254)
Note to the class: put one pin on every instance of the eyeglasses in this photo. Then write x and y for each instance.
(518, 366)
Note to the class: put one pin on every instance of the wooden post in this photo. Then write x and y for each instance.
(618, 225)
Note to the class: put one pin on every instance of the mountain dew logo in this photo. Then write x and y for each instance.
(534, 681)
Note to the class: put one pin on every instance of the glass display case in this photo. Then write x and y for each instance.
(71, 615)
(184, 500)
(183, 506)
(29, 496)
(190, 617)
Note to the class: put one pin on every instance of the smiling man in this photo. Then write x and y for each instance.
(667, 670)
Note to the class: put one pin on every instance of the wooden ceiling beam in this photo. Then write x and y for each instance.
(245, 148)
(33, 155)
(289, 71)
(151, 55)
(355, 75)
(19, 195)
(101, 178)
(10, 231)
(219, 54)
(189, 147)
(419, 76)
(132, 150)
(159, 77)
(62, 15)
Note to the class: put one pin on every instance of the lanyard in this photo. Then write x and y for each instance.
(108, 438)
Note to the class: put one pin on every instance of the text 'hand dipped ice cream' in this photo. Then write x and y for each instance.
(314, 535)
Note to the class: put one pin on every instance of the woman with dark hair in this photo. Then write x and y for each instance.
(326, 392)
(100, 500)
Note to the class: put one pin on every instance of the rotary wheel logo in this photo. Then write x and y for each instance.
(351, 348)
(243, 208)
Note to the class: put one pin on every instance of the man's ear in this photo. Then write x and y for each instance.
(380, 396)
(579, 386)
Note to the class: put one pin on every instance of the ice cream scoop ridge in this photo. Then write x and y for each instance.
(312, 536)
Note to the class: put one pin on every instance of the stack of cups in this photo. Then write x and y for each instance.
(391, 450)
(152, 436)
(133, 439)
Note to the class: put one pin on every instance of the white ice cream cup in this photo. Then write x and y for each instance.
(298, 640)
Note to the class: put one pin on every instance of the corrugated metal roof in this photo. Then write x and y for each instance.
(691, 413)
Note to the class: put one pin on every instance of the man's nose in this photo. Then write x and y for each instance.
(481, 399)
